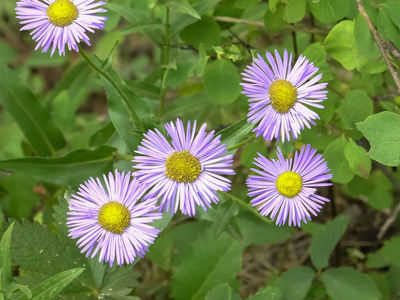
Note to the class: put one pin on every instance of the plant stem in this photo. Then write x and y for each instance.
(166, 60)
(249, 139)
(379, 43)
(114, 85)
(247, 207)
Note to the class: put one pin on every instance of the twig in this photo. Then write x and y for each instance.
(302, 28)
(379, 43)
(247, 46)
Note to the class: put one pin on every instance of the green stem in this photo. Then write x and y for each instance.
(247, 207)
(166, 60)
(249, 139)
(114, 85)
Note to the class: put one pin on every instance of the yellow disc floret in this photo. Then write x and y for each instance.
(289, 184)
(283, 95)
(182, 167)
(114, 217)
(62, 13)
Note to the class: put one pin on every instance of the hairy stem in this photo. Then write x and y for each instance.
(249, 139)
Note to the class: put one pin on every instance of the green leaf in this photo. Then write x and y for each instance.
(51, 287)
(325, 239)
(273, 20)
(185, 20)
(386, 28)
(250, 152)
(243, 4)
(295, 283)
(381, 130)
(222, 82)
(328, 11)
(380, 198)
(8, 54)
(386, 256)
(120, 115)
(183, 6)
(269, 293)
(130, 14)
(392, 8)
(235, 133)
(15, 287)
(205, 31)
(340, 44)
(349, 284)
(151, 27)
(163, 222)
(222, 291)
(294, 11)
(71, 169)
(365, 44)
(356, 107)
(102, 136)
(382, 283)
(317, 54)
(225, 213)
(337, 162)
(209, 263)
(359, 161)
(31, 116)
(172, 78)
(5, 259)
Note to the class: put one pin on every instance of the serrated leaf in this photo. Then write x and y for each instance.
(209, 263)
(31, 116)
(349, 284)
(328, 11)
(382, 132)
(5, 259)
(337, 162)
(325, 239)
(359, 161)
(183, 6)
(295, 283)
(71, 169)
(225, 213)
(222, 291)
(51, 287)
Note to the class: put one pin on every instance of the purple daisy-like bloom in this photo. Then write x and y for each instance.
(187, 172)
(112, 221)
(286, 187)
(278, 95)
(60, 22)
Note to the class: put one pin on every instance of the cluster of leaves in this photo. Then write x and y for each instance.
(56, 134)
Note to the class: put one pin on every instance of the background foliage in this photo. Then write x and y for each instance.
(61, 122)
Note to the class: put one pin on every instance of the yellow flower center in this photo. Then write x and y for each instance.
(283, 95)
(289, 184)
(182, 167)
(114, 217)
(62, 13)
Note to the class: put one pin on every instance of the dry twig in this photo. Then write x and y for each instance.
(379, 43)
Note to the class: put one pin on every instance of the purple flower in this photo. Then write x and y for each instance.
(278, 94)
(286, 187)
(60, 22)
(112, 221)
(186, 172)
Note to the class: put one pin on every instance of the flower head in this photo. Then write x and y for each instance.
(186, 172)
(286, 187)
(112, 221)
(278, 95)
(60, 22)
